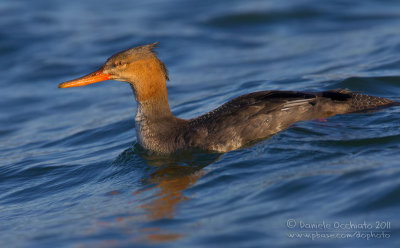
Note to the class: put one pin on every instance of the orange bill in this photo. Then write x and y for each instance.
(91, 78)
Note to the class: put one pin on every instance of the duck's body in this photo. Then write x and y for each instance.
(236, 123)
(245, 119)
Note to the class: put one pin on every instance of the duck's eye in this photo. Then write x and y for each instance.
(119, 63)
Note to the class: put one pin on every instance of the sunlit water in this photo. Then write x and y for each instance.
(72, 175)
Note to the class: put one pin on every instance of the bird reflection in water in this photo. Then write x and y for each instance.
(168, 176)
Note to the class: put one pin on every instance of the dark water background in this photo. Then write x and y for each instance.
(72, 176)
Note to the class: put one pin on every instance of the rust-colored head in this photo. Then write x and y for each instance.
(135, 65)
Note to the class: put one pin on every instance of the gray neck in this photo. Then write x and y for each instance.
(150, 121)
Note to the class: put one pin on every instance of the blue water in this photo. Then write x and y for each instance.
(72, 175)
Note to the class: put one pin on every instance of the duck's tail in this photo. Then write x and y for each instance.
(358, 102)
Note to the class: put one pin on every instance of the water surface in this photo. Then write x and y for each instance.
(72, 174)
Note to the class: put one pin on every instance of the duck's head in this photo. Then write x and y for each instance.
(137, 66)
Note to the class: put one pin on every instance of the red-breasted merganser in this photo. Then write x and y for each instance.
(236, 123)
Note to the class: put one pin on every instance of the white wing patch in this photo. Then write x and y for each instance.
(295, 103)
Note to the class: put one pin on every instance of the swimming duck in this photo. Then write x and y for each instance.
(238, 122)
